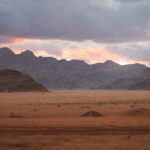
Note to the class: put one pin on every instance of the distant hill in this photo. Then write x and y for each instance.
(74, 74)
(141, 85)
(140, 81)
(14, 81)
(143, 82)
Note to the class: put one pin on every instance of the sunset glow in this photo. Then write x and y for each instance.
(74, 74)
(95, 54)
(116, 35)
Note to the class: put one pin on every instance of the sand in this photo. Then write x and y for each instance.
(52, 120)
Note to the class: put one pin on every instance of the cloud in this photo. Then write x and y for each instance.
(92, 55)
(39, 47)
(88, 51)
(103, 21)
(134, 51)
(6, 40)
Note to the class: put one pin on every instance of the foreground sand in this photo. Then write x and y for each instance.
(53, 120)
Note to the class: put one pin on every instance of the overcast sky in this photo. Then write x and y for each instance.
(92, 30)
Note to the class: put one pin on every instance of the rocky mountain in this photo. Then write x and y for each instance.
(140, 81)
(143, 82)
(63, 74)
(14, 81)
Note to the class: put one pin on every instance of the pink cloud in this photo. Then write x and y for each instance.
(94, 55)
(87, 51)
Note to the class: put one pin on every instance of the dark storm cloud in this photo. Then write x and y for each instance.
(98, 20)
(131, 1)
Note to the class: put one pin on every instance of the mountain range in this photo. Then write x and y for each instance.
(76, 74)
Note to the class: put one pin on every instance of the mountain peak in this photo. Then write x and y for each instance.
(77, 61)
(28, 53)
(110, 63)
(136, 65)
(6, 51)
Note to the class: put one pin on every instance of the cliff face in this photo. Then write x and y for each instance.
(14, 81)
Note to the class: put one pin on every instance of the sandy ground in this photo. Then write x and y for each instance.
(51, 121)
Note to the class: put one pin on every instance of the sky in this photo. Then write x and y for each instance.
(89, 30)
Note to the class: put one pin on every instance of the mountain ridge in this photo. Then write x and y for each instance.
(30, 53)
(64, 74)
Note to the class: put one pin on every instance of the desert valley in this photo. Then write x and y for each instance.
(69, 119)
(74, 75)
(110, 104)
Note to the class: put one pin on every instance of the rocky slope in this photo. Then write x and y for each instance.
(138, 82)
(14, 81)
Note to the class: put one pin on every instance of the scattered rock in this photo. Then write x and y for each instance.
(139, 112)
(92, 114)
(58, 105)
(13, 115)
(129, 136)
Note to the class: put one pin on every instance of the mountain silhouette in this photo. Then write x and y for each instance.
(73, 74)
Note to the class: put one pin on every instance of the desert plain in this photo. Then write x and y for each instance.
(54, 120)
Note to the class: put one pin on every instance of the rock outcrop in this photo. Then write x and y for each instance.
(14, 81)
